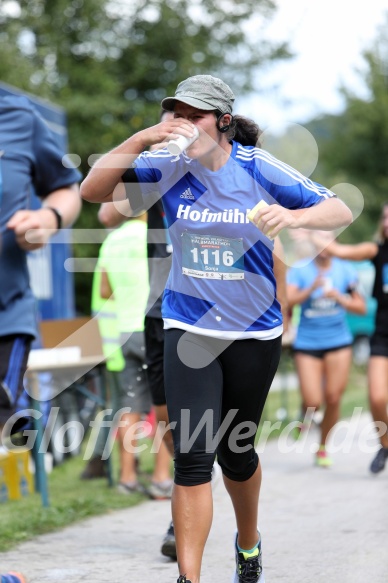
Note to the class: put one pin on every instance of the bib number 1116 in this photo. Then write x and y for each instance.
(215, 257)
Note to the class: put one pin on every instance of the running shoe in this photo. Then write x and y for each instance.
(322, 458)
(168, 546)
(131, 488)
(160, 490)
(249, 568)
(378, 463)
(12, 577)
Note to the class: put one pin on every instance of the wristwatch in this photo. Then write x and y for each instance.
(57, 214)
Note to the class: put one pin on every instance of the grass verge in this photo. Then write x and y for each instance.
(72, 499)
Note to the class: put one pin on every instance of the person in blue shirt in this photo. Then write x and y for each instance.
(222, 320)
(325, 288)
(159, 254)
(30, 161)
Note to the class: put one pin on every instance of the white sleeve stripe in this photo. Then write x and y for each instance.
(288, 170)
(266, 156)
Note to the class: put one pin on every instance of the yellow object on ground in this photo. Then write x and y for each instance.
(16, 480)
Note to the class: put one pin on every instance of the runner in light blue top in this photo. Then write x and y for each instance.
(325, 288)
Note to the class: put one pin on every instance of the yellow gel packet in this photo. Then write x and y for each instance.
(251, 215)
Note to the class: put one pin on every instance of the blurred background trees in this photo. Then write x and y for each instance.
(110, 62)
(353, 146)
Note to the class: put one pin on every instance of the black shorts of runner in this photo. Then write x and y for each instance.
(154, 341)
(320, 353)
(14, 351)
(216, 391)
(379, 345)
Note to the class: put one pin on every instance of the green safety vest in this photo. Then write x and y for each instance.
(105, 312)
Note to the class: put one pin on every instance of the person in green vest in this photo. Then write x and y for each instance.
(119, 296)
(104, 309)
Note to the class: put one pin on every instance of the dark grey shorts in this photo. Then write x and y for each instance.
(154, 338)
(134, 389)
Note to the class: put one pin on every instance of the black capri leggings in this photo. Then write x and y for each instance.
(216, 391)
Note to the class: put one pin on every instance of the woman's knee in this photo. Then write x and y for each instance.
(333, 398)
(193, 469)
(238, 466)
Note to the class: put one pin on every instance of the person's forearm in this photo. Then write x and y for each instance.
(358, 252)
(106, 173)
(298, 296)
(328, 215)
(68, 203)
(352, 303)
(112, 214)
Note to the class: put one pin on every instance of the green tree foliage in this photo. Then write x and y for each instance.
(109, 63)
(353, 146)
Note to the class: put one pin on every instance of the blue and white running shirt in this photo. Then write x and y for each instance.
(221, 282)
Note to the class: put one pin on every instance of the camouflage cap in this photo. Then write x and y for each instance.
(203, 92)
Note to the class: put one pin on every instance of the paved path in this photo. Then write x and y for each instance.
(318, 526)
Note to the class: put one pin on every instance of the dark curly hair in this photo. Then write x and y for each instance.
(243, 130)
(246, 131)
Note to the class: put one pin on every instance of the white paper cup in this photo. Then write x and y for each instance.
(327, 284)
(176, 147)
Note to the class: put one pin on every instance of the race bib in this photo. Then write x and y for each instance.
(322, 307)
(212, 257)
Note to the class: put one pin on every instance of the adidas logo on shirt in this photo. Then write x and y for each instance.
(188, 194)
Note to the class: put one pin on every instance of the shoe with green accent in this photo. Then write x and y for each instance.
(249, 568)
(322, 458)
